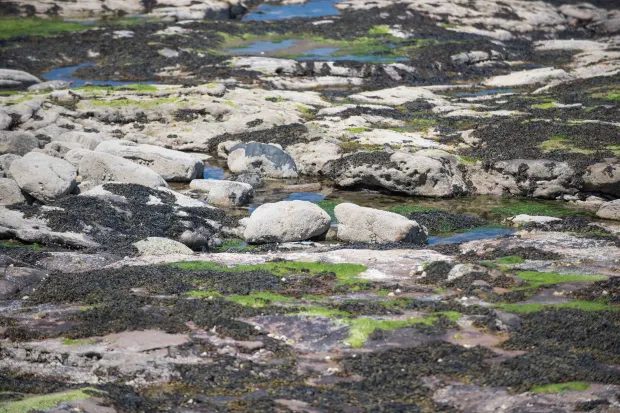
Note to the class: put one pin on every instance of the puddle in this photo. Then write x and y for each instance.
(306, 196)
(213, 172)
(67, 73)
(261, 47)
(472, 235)
(309, 9)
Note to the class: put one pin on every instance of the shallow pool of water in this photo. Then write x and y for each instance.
(67, 73)
(309, 9)
(213, 172)
(471, 235)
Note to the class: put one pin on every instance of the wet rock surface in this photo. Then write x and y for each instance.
(309, 206)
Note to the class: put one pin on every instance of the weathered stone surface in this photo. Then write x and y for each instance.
(161, 246)
(361, 224)
(224, 193)
(86, 139)
(10, 78)
(10, 193)
(101, 167)
(603, 177)
(17, 142)
(610, 210)
(5, 163)
(49, 85)
(286, 221)
(43, 177)
(431, 173)
(524, 219)
(170, 164)
(268, 160)
(5, 120)
(18, 280)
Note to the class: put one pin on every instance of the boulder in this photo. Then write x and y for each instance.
(610, 210)
(19, 280)
(16, 142)
(43, 177)
(428, 172)
(170, 164)
(10, 193)
(100, 167)
(5, 120)
(361, 224)
(286, 221)
(224, 193)
(265, 159)
(524, 219)
(161, 246)
(5, 163)
(603, 177)
(49, 85)
(86, 140)
(13, 79)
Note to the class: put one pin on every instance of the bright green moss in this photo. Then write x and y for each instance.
(16, 244)
(420, 124)
(78, 341)
(525, 308)
(345, 273)
(349, 146)
(44, 402)
(545, 105)
(328, 206)
(562, 143)
(512, 207)
(615, 149)
(509, 260)
(537, 279)
(379, 30)
(124, 102)
(318, 311)
(561, 387)
(203, 294)
(358, 129)
(27, 26)
(408, 209)
(259, 299)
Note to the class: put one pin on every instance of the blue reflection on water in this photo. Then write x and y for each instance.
(309, 9)
(67, 73)
(473, 235)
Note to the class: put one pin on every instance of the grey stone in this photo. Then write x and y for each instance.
(610, 210)
(18, 280)
(265, 159)
(603, 177)
(49, 85)
(17, 142)
(224, 193)
(161, 246)
(10, 193)
(10, 78)
(5, 163)
(101, 167)
(43, 177)
(5, 120)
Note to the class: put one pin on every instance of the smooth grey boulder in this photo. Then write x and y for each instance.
(100, 167)
(87, 140)
(5, 120)
(161, 246)
(224, 193)
(603, 177)
(286, 221)
(10, 193)
(430, 172)
(361, 224)
(610, 210)
(170, 164)
(17, 142)
(265, 159)
(10, 78)
(43, 177)
(49, 85)
(5, 163)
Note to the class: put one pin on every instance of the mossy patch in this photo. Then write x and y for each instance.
(537, 279)
(408, 209)
(527, 308)
(351, 145)
(545, 105)
(259, 299)
(19, 27)
(45, 402)
(78, 341)
(235, 245)
(512, 207)
(17, 244)
(125, 102)
(562, 143)
(359, 129)
(561, 387)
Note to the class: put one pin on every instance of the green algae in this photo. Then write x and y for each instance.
(408, 209)
(45, 402)
(350, 145)
(345, 273)
(125, 102)
(537, 279)
(545, 105)
(137, 87)
(527, 308)
(319, 311)
(328, 206)
(359, 129)
(29, 26)
(17, 244)
(562, 143)
(258, 299)
(511, 207)
(203, 294)
(78, 341)
(236, 245)
(561, 387)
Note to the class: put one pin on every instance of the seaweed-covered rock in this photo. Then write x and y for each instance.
(428, 172)
(43, 177)
(603, 177)
(360, 224)
(266, 159)
(170, 164)
(286, 221)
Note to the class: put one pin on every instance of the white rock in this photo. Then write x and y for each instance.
(264, 159)
(161, 246)
(86, 139)
(10, 193)
(523, 219)
(361, 224)
(101, 167)
(43, 177)
(17, 142)
(610, 210)
(170, 164)
(16, 78)
(49, 85)
(528, 77)
(224, 193)
(286, 221)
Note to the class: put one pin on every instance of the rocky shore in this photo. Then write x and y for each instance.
(321, 206)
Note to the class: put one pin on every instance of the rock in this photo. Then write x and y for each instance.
(528, 77)
(538, 178)
(224, 193)
(10, 193)
(49, 85)
(361, 224)
(60, 149)
(467, 270)
(86, 140)
(253, 179)
(5, 163)
(610, 210)
(18, 280)
(161, 246)
(524, 219)
(101, 167)
(286, 221)
(428, 172)
(17, 142)
(5, 120)
(603, 177)
(170, 164)
(312, 156)
(13, 79)
(265, 159)
(43, 177)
